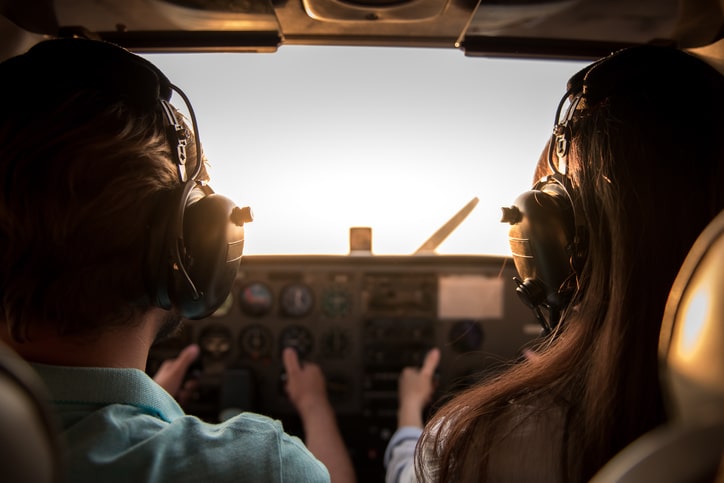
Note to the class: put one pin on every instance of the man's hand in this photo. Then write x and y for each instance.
(307, 391)
(170, 375)
(305, 384)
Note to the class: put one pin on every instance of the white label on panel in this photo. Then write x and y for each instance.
(470, 297)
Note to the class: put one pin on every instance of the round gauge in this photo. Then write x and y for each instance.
(336, 302)
(255, 342)
(215, 341)
(297, 337)
(296, 300)
(255, 299)
(225, 307)
(466, 335)
(335, 343)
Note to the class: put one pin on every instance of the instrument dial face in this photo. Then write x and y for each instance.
(298, 337)
(215, 341)
(255, 299)
(296, 300)
(336, 302)
(255, 342)
(335, 343)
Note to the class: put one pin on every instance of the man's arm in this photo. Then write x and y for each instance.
(307, 391)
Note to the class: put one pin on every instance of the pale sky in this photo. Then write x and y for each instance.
(319, 139)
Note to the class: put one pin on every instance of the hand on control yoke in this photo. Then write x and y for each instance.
(307, 390)
(170, 375)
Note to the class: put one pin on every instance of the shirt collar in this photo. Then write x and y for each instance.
(105, 386)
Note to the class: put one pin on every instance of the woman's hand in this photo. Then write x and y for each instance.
(415, 389)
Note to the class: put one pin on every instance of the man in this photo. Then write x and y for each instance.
(109, 237)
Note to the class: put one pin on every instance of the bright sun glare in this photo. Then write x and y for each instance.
(320, 139)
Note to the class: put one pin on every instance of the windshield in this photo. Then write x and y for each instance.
(321, 139)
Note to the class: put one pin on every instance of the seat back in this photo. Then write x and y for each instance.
(28, 434)
(691, 346)
(690, 447)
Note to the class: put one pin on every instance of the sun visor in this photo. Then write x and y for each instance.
(176, 25)
(567, 29)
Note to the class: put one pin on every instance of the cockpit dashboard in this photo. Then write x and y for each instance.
(362, 318)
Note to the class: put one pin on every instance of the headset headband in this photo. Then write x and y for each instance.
(102, 67)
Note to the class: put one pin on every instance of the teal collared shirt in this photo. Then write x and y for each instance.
(120, 426)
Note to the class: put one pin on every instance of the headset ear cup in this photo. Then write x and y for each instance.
(194, 250)
(541, 237)
(213, 243)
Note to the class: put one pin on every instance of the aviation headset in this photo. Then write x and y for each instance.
(547, 238)
(196, 238)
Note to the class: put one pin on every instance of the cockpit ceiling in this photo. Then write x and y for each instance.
(545, 28)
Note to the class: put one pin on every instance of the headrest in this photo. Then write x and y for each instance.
(31, 449)
(691, 345)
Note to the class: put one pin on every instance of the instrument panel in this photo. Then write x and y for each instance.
(362, 319)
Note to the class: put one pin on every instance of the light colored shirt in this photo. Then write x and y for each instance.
(120, 426)
(399, 457)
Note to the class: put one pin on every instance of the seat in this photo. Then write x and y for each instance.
(28, 433)
(690, 446)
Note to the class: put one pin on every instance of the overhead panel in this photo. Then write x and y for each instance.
(579, 29)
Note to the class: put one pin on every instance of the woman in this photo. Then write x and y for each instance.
(640, 156)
